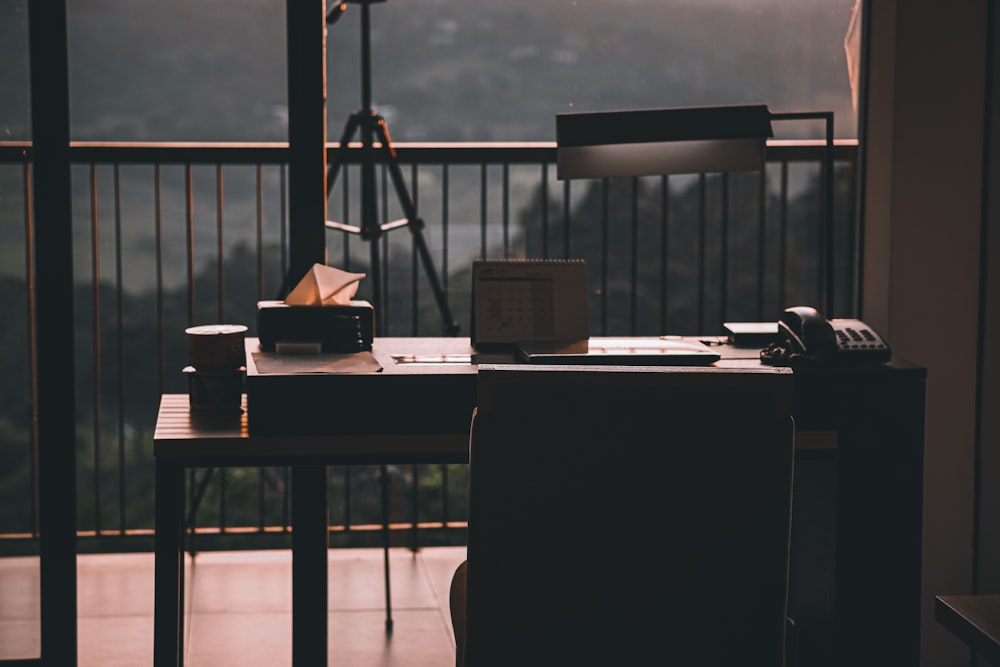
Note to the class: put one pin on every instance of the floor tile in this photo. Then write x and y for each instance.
(19, 592)
(240, 608)
(240, 639)
(440, 564)
(20, 639)
(115, 641)
(20, 630)
(114, 585)
(241, 581)
(418, 639)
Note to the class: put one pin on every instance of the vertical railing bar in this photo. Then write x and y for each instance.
(286, 519)
(29, 263)
(821, 244)
(482, 211)
(414, 287)
(189, 257)
(283, 214)
(724, 250)
(383, 241)
(761, 239)
(505, 207)
(829, 203)
(330, 509)
(220, 249)
(445, 237)
(259, 233)
(261, 504)
(634, 252)
(445, 495)
(189, 205)
(414, 263)
(222, 499)
(158, 241)
(446, 195)
(664, 252)
(348, 509)
(414, 504)
(783, 238)
(345, 209)
(567, 213)
(546, 231)
(850, 242)
(702, 246)
(96, 313)
(605, 254)
(120, 314)
(259, 230)
(220, 253)
(445, 228)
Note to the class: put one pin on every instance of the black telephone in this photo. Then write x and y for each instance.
(804, 336)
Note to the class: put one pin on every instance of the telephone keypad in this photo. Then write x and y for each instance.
(855, 335)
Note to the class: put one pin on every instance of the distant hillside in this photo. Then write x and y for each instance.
(442, 69)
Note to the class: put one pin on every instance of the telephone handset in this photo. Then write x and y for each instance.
(804, 336)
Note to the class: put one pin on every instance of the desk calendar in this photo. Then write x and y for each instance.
(529, 300)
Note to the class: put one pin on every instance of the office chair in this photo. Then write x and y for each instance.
(618, 514)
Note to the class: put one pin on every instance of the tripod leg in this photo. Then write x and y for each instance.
(333, 165)
(375, 271)
(416, 226)
(450, 325)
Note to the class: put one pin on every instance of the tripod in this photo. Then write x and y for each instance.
(372, 126)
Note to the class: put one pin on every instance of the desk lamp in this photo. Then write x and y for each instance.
(661, 141)
(683, 140)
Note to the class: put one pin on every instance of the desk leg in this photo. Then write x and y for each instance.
(168, 618)
(310, 541)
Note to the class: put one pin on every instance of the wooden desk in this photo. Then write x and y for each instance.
(184, 439)
(864, 424)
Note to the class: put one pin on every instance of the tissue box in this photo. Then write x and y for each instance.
(333, 328)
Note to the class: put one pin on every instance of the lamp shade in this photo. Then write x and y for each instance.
(661, 141)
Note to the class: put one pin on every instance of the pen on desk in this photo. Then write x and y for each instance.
(432, 358)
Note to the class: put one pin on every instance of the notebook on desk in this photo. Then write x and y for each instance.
(635, 351)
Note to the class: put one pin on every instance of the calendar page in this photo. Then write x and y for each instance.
(529, 300)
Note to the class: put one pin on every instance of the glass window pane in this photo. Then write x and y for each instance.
(15, 117)
(184, 70)
(499, 71)
(448, 70)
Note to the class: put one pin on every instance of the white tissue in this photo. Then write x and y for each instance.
(324, 286)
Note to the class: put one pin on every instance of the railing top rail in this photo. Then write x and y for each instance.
(183, 152)
(446, 152)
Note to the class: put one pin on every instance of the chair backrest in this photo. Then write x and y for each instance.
(622, 514)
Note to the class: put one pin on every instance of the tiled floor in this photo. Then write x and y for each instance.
(239, 608)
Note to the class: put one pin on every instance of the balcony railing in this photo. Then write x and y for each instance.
(171, 235)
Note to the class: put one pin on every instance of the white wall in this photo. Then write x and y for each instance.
(923, 202)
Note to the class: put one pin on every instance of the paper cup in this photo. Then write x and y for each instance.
(217, 347)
